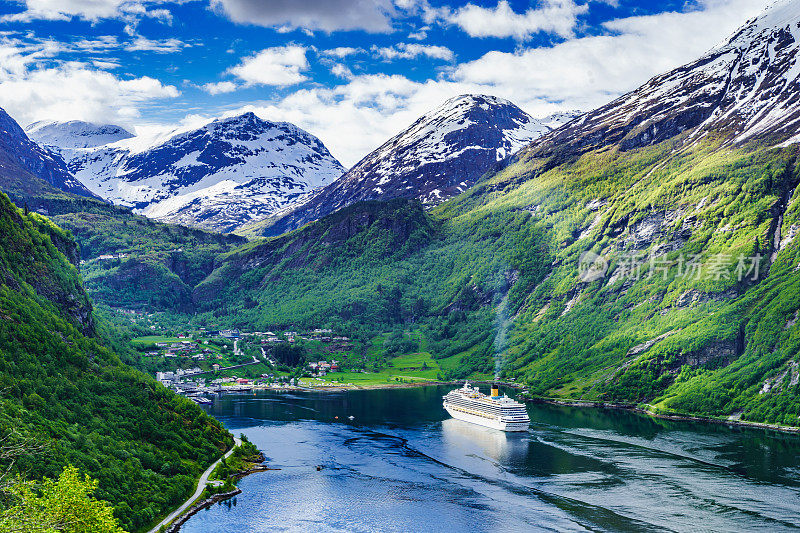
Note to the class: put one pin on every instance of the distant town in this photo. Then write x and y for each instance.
(214, 372)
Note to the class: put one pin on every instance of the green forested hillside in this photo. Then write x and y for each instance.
(160, 263)
(493, 276)
(704, 343)
(375, 265)
(62, 388)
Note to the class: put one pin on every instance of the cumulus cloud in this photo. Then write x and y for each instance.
(413, 50)
(341, 71)
(325, 15)
(87, 9)
(588, 72)
(419, 35)
(220, 87)
(34, 87)
(279, 66)
(553, 16)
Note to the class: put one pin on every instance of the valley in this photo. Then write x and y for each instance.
(161, 288)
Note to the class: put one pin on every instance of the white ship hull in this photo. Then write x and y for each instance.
(493, 422)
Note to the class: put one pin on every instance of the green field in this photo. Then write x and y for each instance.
(406, 368)
(367, 379)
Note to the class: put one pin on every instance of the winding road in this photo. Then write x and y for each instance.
(201, 485)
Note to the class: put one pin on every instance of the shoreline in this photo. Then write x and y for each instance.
(560, 402)
(201, 485)
(199, 505)
(385, 386)
(664, 416)
(176, 525)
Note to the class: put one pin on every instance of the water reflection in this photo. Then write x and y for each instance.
(496, 445)
(402, 464)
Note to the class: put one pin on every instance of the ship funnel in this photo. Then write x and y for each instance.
(495, 390)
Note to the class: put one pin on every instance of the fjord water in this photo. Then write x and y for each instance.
(403, 465)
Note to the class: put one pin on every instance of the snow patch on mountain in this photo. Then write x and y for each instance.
(18, 151)
(747, 88)
(75, 134)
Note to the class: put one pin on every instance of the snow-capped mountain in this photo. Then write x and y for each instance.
(226, 173)
(76, 134)
(439, 156)
(745, 89)
(20, 157)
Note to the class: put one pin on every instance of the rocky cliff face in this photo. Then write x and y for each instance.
(23, 163)
(35, 252)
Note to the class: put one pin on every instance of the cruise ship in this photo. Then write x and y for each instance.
(495, 411)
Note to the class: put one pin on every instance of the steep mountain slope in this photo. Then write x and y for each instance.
(745, 89)
(436, 158)
(686, 204)
(219, 176)
(645, 253)
(64, 389)
(154, 266)
(26, 168)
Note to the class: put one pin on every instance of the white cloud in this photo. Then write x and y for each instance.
(342, 51)
(419, 35)
(34, 88)
(280, 66)
(588, 72)
(97, 44)
(105, 64)
(341, 71)
(87, 9)
(324, 15)
(553, 16)
(160, 46)
(413, 50)
(220, 87)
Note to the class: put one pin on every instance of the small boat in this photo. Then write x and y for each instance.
(200, 400)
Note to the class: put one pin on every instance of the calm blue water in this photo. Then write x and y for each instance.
(403, 465)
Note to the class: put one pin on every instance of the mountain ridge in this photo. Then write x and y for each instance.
(437, 157)
(743, 89)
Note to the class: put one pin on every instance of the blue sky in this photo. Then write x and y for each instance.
(352, 72)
